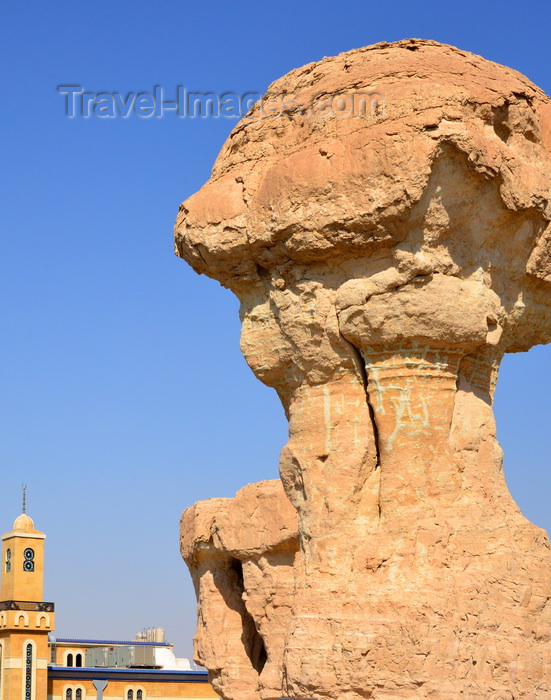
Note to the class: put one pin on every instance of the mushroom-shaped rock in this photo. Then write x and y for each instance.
(388, 234)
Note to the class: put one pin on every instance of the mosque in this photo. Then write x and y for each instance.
(35, 665)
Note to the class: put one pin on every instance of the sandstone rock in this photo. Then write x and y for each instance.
(384, 263)
(241, 553)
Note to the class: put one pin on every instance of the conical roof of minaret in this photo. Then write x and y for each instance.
(24, 523)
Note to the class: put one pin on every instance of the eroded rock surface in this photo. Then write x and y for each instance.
(384, 262)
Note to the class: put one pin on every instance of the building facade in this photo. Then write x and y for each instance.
(34, 665)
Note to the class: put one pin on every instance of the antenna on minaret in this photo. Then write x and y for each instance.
(24, 487)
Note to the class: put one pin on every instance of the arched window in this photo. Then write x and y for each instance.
(8, 560)
(130, 695)
(139, 695)
(69, 660)
(78, 660)
(78, 694)
(21, 616)
(69, 694)
(28, 679)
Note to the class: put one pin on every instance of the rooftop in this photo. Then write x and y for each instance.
(107, 642)
(132, 674)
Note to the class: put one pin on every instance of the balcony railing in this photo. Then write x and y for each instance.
(26, 605)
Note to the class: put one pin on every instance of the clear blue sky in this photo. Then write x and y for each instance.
(124, 394)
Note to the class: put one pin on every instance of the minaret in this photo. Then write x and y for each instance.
(25, 620)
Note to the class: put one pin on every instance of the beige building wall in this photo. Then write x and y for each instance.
(24, 631)
(22, 562)
(118, 690)
(14, 665)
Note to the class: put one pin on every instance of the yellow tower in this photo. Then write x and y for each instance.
(25, 620)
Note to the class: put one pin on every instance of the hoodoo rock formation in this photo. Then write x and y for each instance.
(385, 261)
